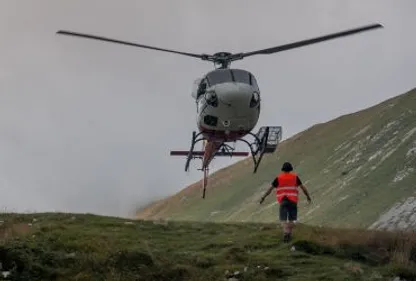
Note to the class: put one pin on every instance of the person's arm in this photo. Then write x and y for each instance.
(305, 191)
(272, 186)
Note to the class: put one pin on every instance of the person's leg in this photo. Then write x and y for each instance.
(284, 216)
(292, 218)
(286, 231)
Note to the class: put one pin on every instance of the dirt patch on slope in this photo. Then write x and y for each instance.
(8, 231)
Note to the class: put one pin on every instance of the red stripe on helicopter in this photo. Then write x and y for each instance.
(201, 153)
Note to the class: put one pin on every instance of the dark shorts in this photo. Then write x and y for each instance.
(288, 210)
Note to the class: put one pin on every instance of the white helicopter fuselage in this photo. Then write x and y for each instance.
(228, 104)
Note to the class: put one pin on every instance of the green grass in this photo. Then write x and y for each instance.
(87, 247)
(332, 158)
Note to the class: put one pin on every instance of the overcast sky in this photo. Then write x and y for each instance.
(86, 126)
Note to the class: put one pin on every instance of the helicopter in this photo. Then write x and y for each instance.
(228, 103)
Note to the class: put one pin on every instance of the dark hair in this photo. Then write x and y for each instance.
(287, 167)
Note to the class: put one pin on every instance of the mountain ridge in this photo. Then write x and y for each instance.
(367, 152)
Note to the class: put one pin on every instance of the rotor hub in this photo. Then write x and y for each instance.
(222, 55)
(222, 59)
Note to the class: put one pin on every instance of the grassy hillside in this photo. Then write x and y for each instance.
(87, 247)
(356, 167)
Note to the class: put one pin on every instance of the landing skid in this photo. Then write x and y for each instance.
(265, 142)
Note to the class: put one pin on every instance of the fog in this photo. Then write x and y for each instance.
(87, 126)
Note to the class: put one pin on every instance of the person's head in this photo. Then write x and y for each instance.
(287, 167)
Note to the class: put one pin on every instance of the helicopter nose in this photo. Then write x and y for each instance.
(234, 94)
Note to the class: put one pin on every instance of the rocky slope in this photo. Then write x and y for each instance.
(360, 169)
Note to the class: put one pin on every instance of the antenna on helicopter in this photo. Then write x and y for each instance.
(223, 59)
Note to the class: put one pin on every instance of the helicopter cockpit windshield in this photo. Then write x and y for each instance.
(219, 76)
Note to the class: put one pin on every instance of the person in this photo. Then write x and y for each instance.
(286, 184)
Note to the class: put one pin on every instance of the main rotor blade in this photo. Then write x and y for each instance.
(64, 32)
(311, 41)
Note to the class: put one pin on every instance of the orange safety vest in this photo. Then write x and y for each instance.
(287, 187)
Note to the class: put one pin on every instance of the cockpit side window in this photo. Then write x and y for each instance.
(253, 82)
(201, 88)
(219, 76)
